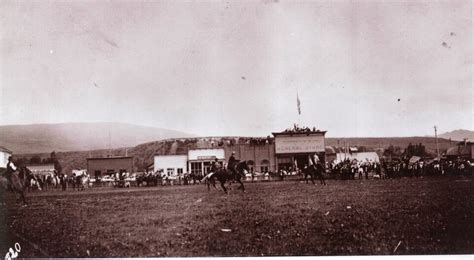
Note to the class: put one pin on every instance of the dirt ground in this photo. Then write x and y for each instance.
(368, 217)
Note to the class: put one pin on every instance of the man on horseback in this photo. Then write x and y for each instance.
(11, 168)
(231, 164)
(216, 166)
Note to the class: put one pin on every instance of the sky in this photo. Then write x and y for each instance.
(219, 68)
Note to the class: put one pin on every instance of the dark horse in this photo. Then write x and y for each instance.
(150, 179)
(19, 182)
(314, 172)
(224, 175)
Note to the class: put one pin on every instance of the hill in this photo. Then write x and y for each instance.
(384, 142)
(458, 135)
(143, 153)
(44, 138)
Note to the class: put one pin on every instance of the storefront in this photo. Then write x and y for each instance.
(98, 167)
(200, 160)
(170, 165)
(293, 149)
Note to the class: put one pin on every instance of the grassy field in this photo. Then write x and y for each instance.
(369, 217)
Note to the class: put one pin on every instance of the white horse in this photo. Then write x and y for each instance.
(84, 182)
(34, 184)
(51, 181)
(82, 179)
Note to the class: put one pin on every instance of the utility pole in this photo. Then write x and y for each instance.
(437, 146)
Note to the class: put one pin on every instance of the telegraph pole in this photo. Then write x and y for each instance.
(437, 146)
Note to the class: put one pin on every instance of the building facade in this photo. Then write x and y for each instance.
(171, 165)
(200, 160)
(4, 154)
(464, 150)
(293, 149)
(98, 167)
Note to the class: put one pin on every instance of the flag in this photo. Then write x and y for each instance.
(298, 103)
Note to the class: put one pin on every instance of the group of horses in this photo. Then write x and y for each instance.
(23, 180)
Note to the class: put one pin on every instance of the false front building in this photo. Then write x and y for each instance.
(99, 167)
(293, 148)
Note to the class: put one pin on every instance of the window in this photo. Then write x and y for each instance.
(196, 168)
(170, 171)
(180, 170)
(264, 165)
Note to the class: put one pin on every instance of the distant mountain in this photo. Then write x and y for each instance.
(459, 135)
(44, 138)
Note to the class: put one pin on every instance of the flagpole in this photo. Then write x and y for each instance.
(298, 103)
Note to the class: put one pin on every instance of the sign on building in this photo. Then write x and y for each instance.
(299, 144)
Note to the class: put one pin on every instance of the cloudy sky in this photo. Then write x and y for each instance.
(360, 68)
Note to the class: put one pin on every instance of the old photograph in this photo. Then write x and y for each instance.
(243, 128)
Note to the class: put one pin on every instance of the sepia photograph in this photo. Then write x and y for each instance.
(236, 128)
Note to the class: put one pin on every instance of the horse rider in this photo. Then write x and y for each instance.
(216, 166)
(231, 164)
(11, 168)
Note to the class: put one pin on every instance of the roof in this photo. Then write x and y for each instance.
(42, 167)
(465, 143)
(414, 159)
(458, 150)
(3, 149)
(173, 154)
(110, 158)
(329, 150)
(299, 133)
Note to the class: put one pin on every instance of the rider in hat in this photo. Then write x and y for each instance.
(216, 166)
(11, 168)
(231, 163)
(314, 161)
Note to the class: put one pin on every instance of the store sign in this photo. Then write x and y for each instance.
(299, 144)
(206, 158)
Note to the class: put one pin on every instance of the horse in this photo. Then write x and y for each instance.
(82, 181)
(314, 172)
(196, 177)
(33, 183)
(224, 175)
(53, 181)
(151, 179)
(19, 182)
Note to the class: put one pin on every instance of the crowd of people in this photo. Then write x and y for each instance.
(348, 169)
(298, 129)
(403, 168)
